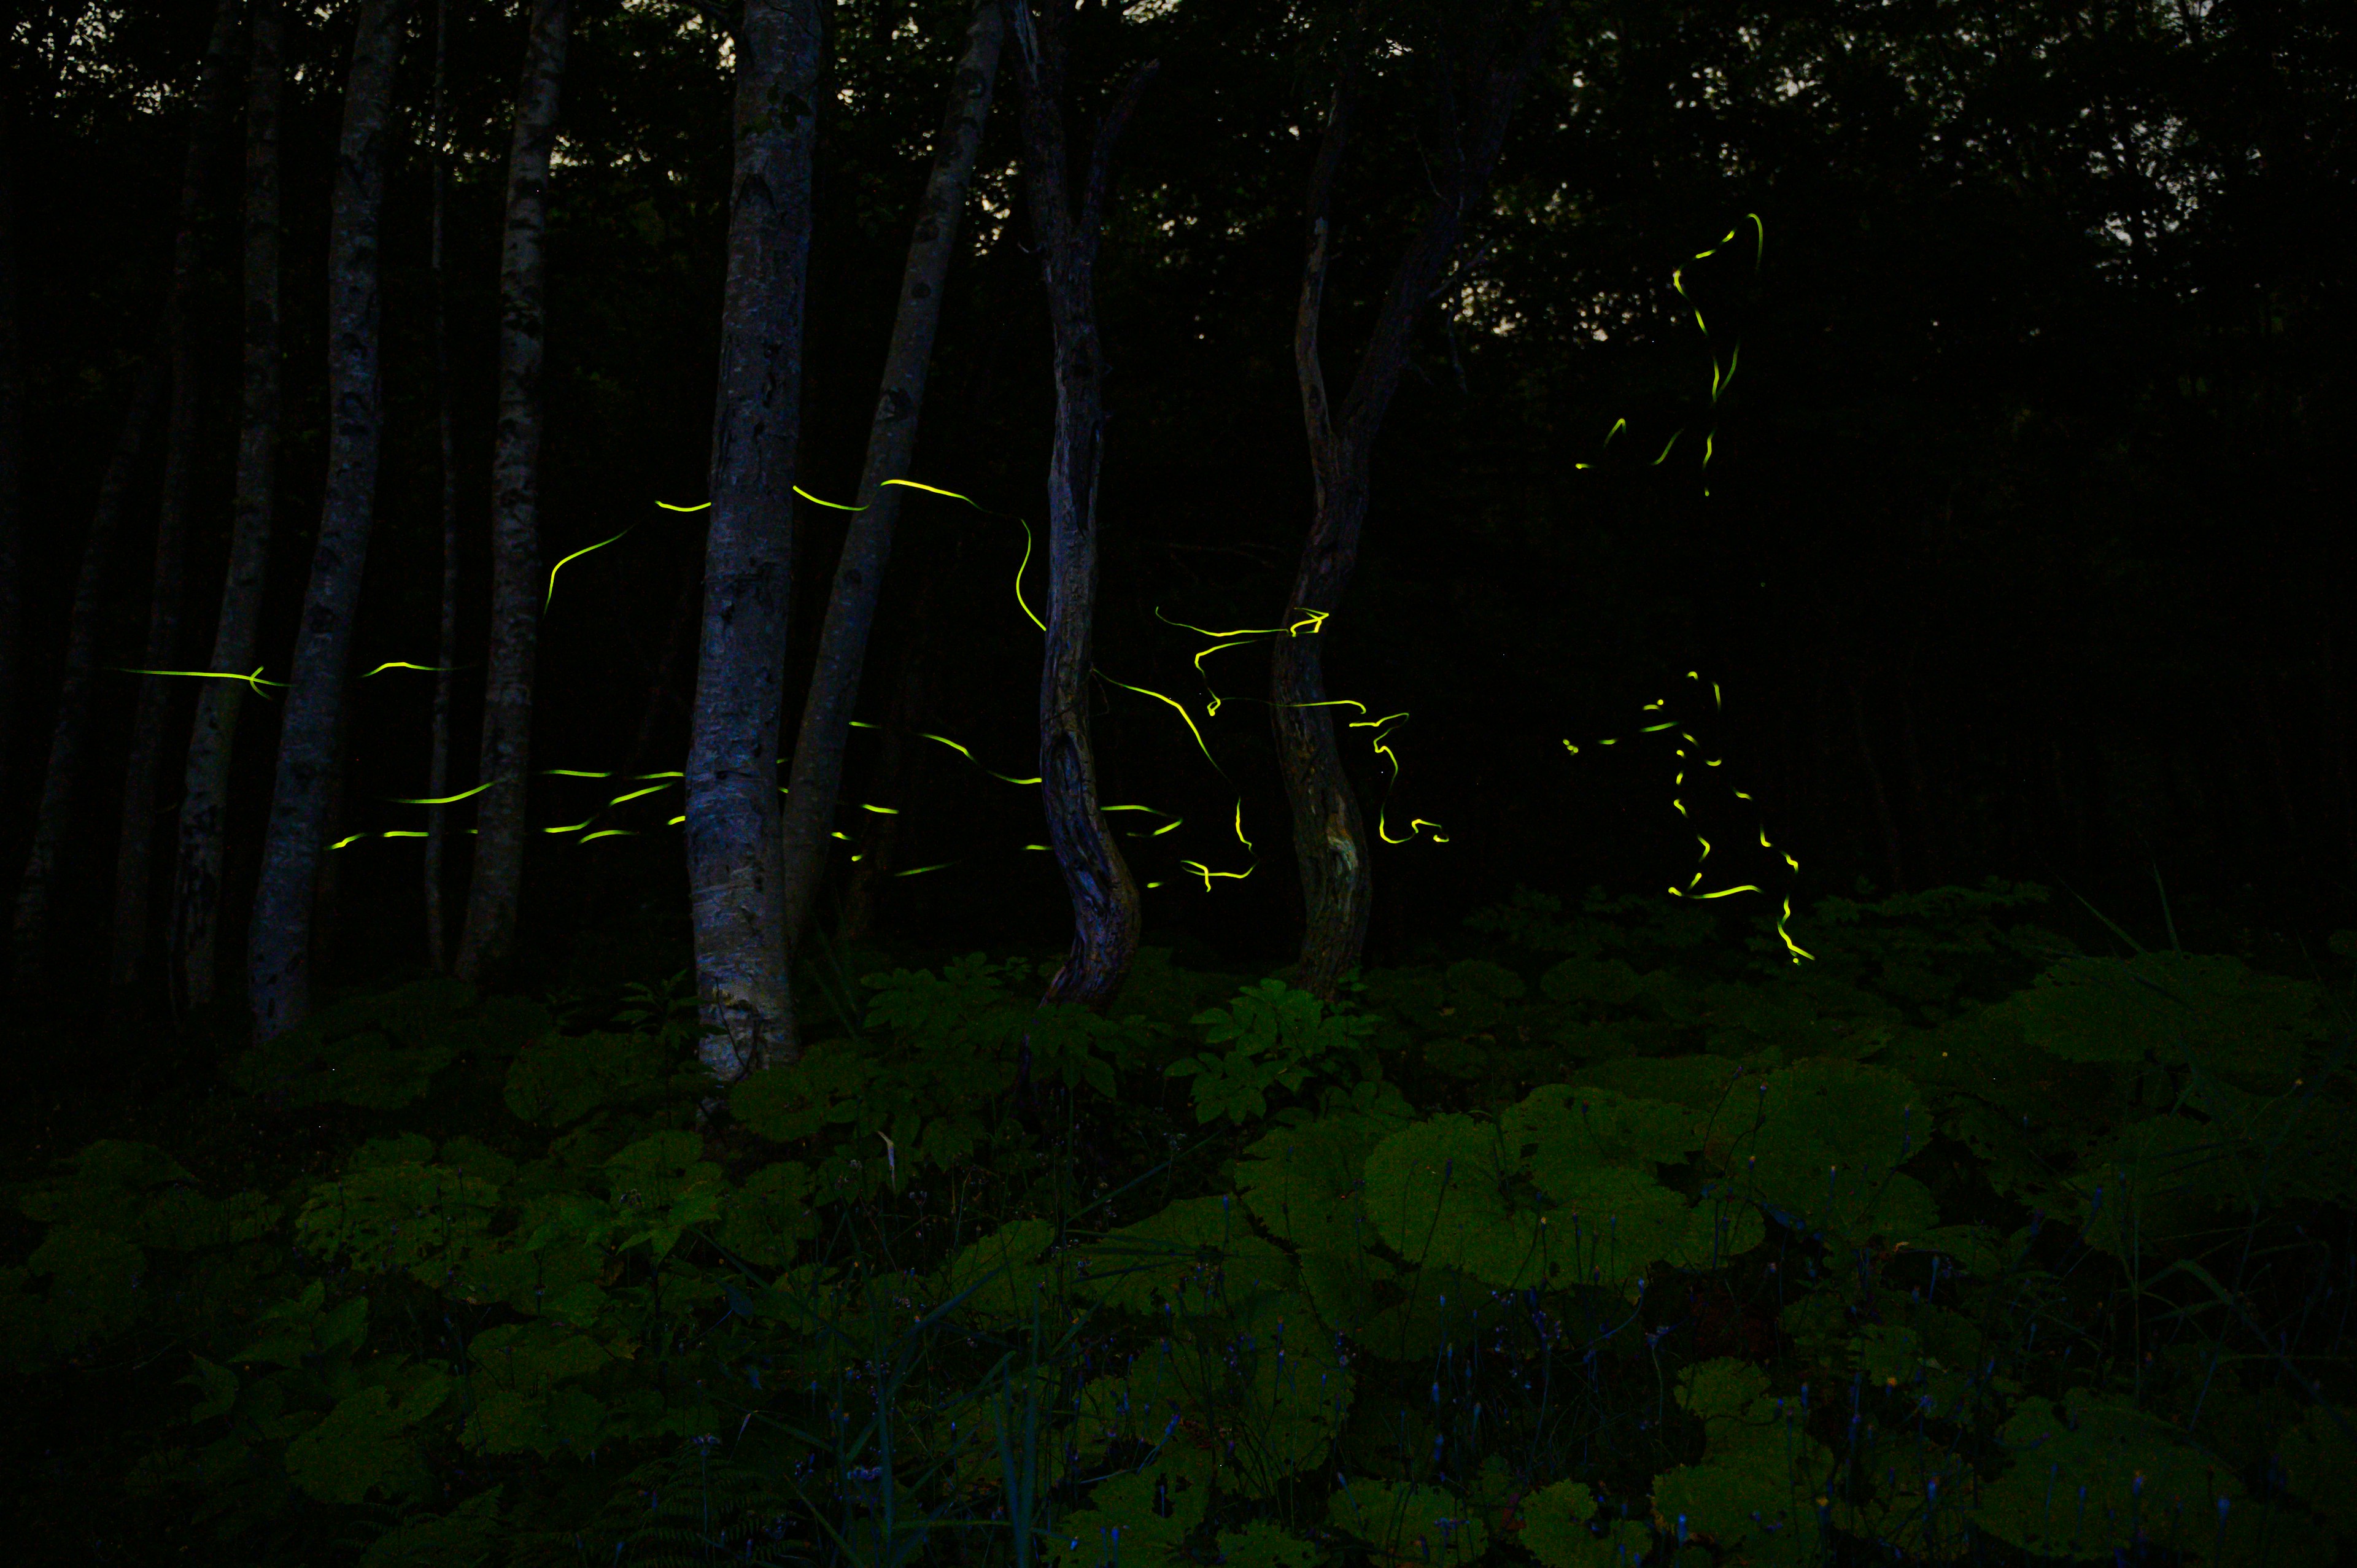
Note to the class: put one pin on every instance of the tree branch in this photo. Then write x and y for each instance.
(1101, 155)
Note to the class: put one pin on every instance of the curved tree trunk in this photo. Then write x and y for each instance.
(817, 776)
(1330, 843)
(61, 785)
(734, 882)
(489, 937)
(445, 649)
(1106, 915)
(278, 976)
(204, 798)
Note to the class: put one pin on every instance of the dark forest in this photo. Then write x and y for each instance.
(1272, 782)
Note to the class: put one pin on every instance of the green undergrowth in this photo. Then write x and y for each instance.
(1623, 1240)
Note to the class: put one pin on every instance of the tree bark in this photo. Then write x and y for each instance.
(61, 785)
(489, 938)
(1106, 915)
(12, 459)
(1329, 842)
(278, 962)
(438, 767)
(817, 776)
(136, 839)
(204, 798)
(733, 850)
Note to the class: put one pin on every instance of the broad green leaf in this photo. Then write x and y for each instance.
(559, 1079)
(464, 1538)
(1559, 1529)
(521, 1401)
(1565, 1128)
(1435, 1192)
(2174, 1008)
(1407, 1523)
(1262, 1544)
(1701, 1082)
(763, 1220)
(1002, 1271)
(1303, 1182)
(423, 1218)
(363, 1445)
(1761, 1472)
(2097, 1476)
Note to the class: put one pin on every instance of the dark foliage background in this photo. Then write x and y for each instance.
(2018, 554)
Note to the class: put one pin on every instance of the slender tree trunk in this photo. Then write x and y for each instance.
(1107, 920)
(12, 458)
(204, 798)
(61, 785)
(278, 962)
(733, 850)
(1330, 843)
(437, 770)
(678, 639)
(490, 935)
(817, 776)
(136, 840)
(897, 758)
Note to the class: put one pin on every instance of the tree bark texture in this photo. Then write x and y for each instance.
(817, 776)
(204, 797)
(733, 852)
(136, 839)
(53, 820)
(438, 767)
(1106, 918)
(489, 937)
(278, 960)
(12, 460)
(1330, 843)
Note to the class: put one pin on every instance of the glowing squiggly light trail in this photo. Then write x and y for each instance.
(254, 680)
(1678, 802)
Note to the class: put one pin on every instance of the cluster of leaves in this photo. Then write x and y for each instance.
(1622, 1245)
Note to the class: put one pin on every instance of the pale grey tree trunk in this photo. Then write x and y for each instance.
(438, 767)
(1107, 920)
(817, 776)
(135, 853)
(204, 797)
(53, 820)
(278, 958)
(489, 937)
(733, 875)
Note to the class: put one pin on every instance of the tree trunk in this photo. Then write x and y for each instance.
(897, 763)
(278, 962)
(204, 798)
(136, 840)
(1105, 914)
(1330, 843)
(817, 776)
(61, 785)
(438, 769)
(733, 852)
(489, 938)
(12, 460)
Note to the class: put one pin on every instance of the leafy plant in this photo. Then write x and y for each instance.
(1277, 1038)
